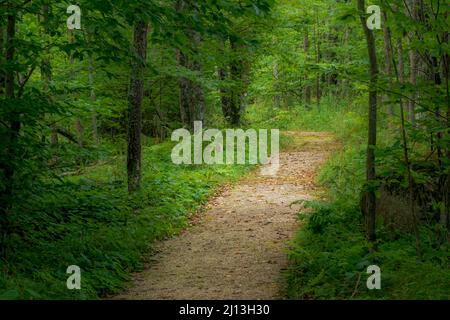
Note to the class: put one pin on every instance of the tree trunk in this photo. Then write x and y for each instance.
(307, 88)
(224, 94)
(318, 95)
(413, 62)
(46, 70)
(198, 96)
(10, 50)
(78, 124)
(446, 74)
(191, 99)
(415, 220)
(183, 84)
(93, 98)
(236, 70)
(372, 141)
(387, 59)
(276, 97)
(401, 65)
(8, 165)
(135, 97)
(2, 54)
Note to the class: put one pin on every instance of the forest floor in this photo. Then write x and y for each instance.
(237, 246)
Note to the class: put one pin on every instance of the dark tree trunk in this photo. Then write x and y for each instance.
(10, 50)
(183, 84)
(135, 97)
(198, 97)
(2, 54)
(8, 166)
(446, 73)
(191, 98)
(372, 141)
(225, 94)
(236, 73)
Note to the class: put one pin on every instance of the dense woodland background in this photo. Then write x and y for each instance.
(86, 115)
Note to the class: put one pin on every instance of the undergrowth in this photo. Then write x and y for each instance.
(329, 255)
(89, 220)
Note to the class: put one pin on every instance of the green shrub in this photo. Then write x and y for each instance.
(329, 256)
(89, 220)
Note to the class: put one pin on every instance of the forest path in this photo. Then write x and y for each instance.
(237, 247)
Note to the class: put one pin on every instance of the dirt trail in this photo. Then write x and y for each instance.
(237, 248)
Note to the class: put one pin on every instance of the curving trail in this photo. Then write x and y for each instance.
(237, 247)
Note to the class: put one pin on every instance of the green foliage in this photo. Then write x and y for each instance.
(63, 194)
(90, 221)
(330, 254)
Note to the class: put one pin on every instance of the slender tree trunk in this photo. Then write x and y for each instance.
(276, 98)
(413, 79)
(344, 82)
(435, 71)
(446, 74)
(401, 64)
(441, 151)
(93, 98)
(10, 51)
(135, 97)
(413, 62)
(236, 70)
(307, 89)
(183, 84)
(387, 58)
(223, 74)
(2, 55)
(371, 172)
(318, 94)
(46, 70)
(78, 124)
(401, 78)
(198, 96)
(92, 95)
(80, 130)
(445, 214)
(224, 94)
(11, 144)
(191, 99)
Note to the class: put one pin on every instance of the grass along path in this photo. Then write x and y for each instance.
(236, 248)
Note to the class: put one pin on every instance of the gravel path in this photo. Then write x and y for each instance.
(237, 247)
